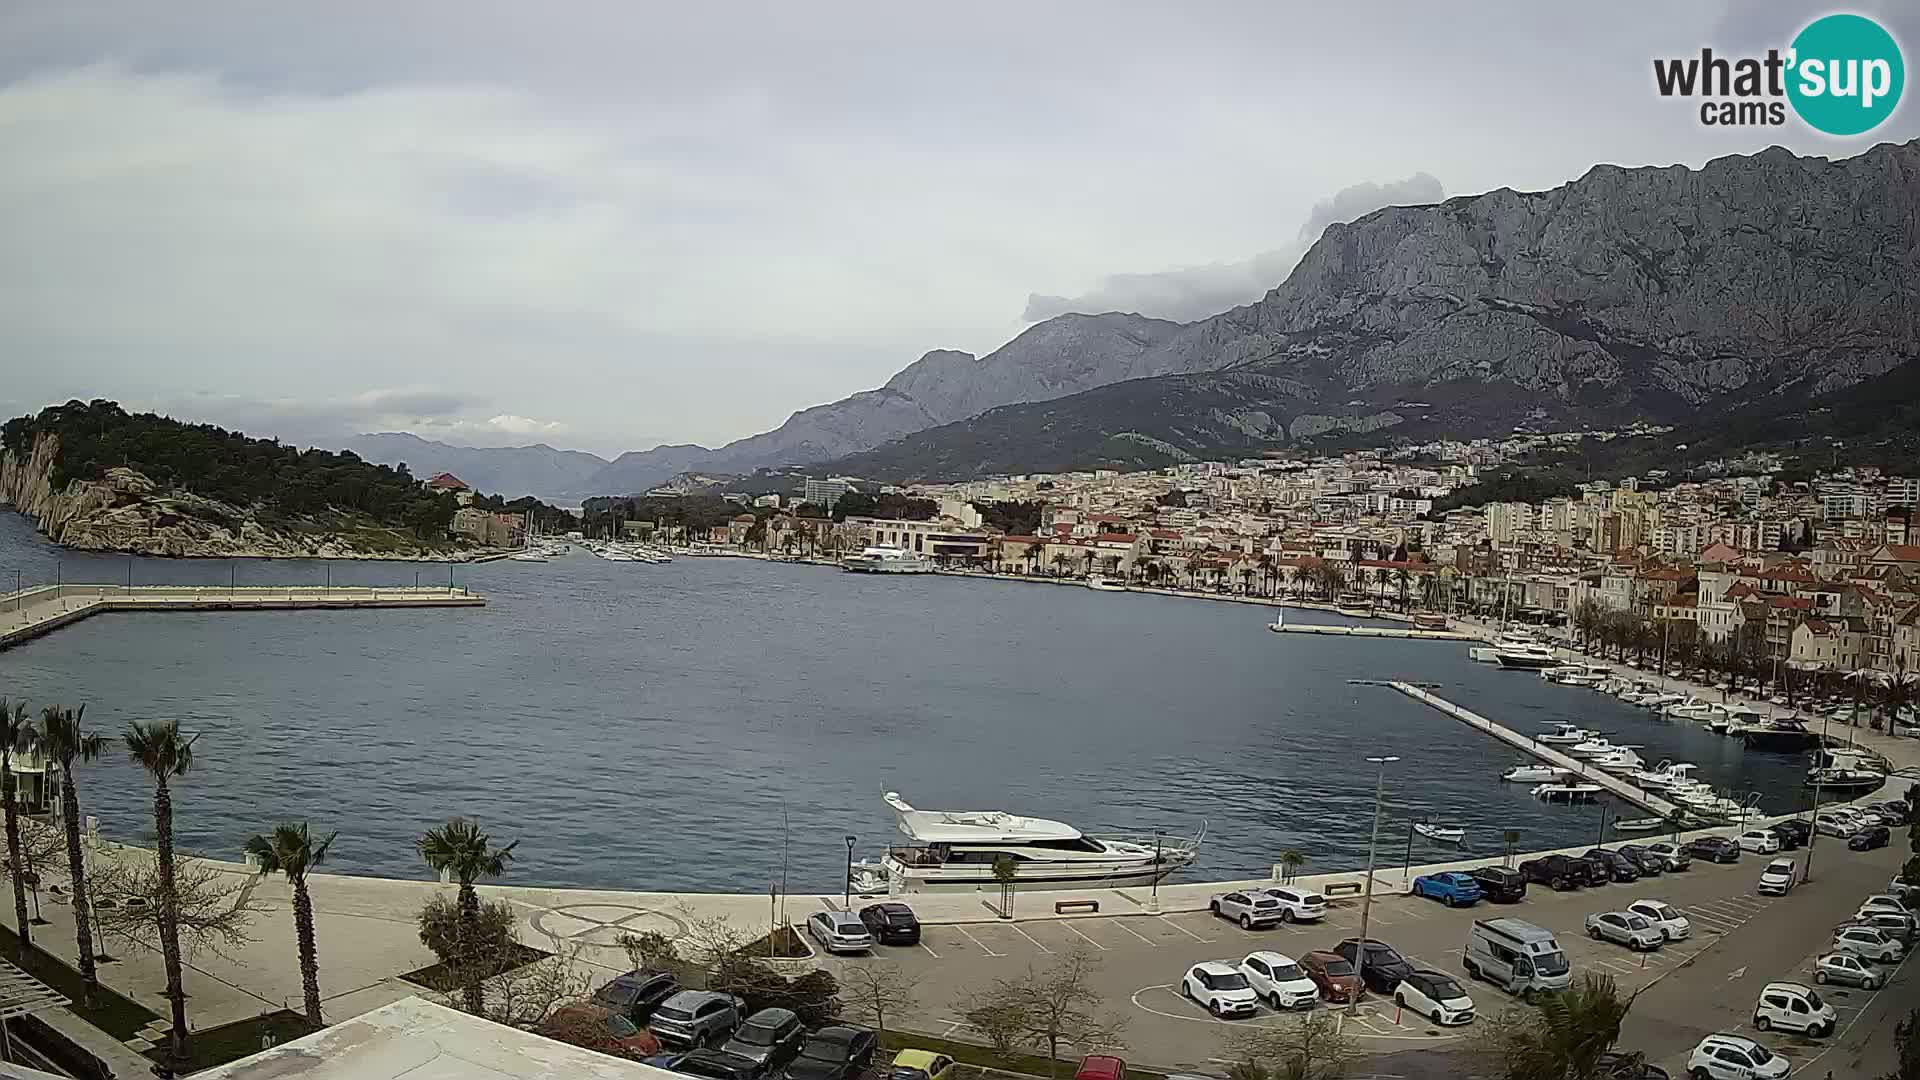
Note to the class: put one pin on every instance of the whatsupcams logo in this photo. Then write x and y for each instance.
(1842, 75)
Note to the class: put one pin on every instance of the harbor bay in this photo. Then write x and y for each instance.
(717, 724)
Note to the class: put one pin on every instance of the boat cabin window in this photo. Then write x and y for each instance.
(1078, 843)
(962, 855)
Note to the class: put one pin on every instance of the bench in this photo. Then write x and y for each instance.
(1343, 888)
(1062, 907)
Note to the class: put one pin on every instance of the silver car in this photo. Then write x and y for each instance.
(1847, 969)
(696, 1017)
(1625, 928)
(839, 931)
(1868, 943)
(1250, 909)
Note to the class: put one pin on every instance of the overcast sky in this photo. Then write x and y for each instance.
(607, 225)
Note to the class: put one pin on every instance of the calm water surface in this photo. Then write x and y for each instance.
(677, 726)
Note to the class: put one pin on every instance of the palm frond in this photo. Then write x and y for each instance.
(159, 748)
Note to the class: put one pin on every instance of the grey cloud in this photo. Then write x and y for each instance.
(414, 402)
(1195, 292)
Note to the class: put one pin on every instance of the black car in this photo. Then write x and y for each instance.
(1384, 968)
(1618, 866)
(718, 1065)
(1713, 849)
(1873, 836)
(769, 1038)
(1500, 884)
(1792, 833)
(1598, 872)
(835, 1052)
(1557, 872)
(637, 993)
(1649, 864)
(891, 923)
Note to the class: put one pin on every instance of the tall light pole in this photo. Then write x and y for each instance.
(846, 902)
(1153, 903)
(1813, 817)
(1366, 900)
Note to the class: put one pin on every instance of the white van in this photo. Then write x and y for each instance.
(1794, 1008)
(1517, 956)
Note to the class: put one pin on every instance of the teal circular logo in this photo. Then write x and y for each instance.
(1847, 74)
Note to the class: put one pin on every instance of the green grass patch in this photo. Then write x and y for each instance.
(230, 1042)
(113, 1013)
(986, 1057)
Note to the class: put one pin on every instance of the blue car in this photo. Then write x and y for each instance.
(1456, 889)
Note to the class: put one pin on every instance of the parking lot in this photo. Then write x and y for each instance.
(1142, 957)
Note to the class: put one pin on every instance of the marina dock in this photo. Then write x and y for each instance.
(1613, 784)
(30, 613)
(1369, 631)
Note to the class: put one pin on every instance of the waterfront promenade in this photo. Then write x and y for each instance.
(31, 613)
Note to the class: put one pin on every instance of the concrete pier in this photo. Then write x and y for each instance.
(1369, 631)
(1613, 784)
(30, 613)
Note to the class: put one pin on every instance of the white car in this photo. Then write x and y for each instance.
(1759, 841)
(1778, 877)
(1220, 988)
(839, 931)
(1868, 944)
(1621, 928)
(1846, 968)
(1663, 915)
(1882, 902)
(1278, 981)
(1435, 995)
(1730, 1057)
(1250, 909)
(1793, 1007)
(1298, 905)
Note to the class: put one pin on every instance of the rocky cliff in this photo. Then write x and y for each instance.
(126, 512)
(1656, 293)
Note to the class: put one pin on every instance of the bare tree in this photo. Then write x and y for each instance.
(43, 851)
(212, 909)
(649, 950)
(1313, 1049)
(527, 996)
(1048, 1008)
(875, 990)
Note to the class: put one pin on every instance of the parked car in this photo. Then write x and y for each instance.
(767, 1038)
(1899, 927)
(1848, 969)
(1792, 833)
(1333, 974)
(1868, 943)
(1730, 1057)
(1671, 924)
(920, 1065)
(1625, 1065)
(1100, 1067)
(1435, 995)
(1250, 908)
(637, 993)
(1793, 1007)
(1873, 836)
(1834, 823)
(1450, 887)
(839, 931)
(1298, 905)
(1618, 866)
(590, 1016)
(1624, 928)
(1277, 980)
(1885, 902)
(1649, 864)
(891, 923)
(1220, 989)
(1671, 856)
(1500, 884)
(1759, 841)
(696, 1017)
(1597, 871)
(835, 1052)
(1717, 849)
(1383, 967)
(1556, 872)
(712, 1064)
(1778, 878)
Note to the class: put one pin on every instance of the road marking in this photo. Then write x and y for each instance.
(983, 945)
(1189, 933)
(1121, 924)
(1087, 939)
(930, 952)
(1738, 972)
(1030, 937)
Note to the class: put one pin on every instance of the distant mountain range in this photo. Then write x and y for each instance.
(1663, 294)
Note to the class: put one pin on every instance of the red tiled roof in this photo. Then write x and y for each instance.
(446, 481)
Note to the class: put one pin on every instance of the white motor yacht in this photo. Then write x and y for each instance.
(1511, 639)
(1693, 709)
(885, 559)
(1621, 759)
(1533, 774)
(1106, 584)
(1564, 734)
(1598, 746)
(1567, 792)
(956, 849)
(1659, 702)
(1526, 657)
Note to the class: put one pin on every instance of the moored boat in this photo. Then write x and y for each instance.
(1567, 792)
(1445, 834)
(1533, 774)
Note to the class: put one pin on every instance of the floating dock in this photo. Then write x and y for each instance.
(1587, 774)
(1369, 631)
(30, 613)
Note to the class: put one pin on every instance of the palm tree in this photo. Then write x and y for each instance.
(459, 848)
(291, 851)
(61, 739)
(1291, 860)
(1402, 577)
(1381, 577)
(15, 735)
(1061, 560)
(1569, 1033)
(159, 748)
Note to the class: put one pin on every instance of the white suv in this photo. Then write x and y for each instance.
(1777, 878)
(1794, 1008)
(1759, 841)
(1278, 981)
(1868, 944)
(1730, 1057)
(1298, 905)
(1221, 988)
(1663, 915)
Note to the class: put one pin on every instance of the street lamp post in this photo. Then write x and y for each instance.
(1366, 900)
(1153, 901)
(1813, 816)
(846, 902)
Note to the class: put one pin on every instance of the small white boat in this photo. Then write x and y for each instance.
(1533, 774)
(1659, 702)
(1640, 824)
(1567, 792)
(1445, 834)
(527, 556)
(1693, 709)
(1566, 734)
(1622, 759)
(1105, 584)
(1597, 747)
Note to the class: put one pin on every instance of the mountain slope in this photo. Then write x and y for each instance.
(510, 471)
(1654, 293)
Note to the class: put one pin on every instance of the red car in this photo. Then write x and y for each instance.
(1101, 1067)
(587, 1024)
(1333, 974)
